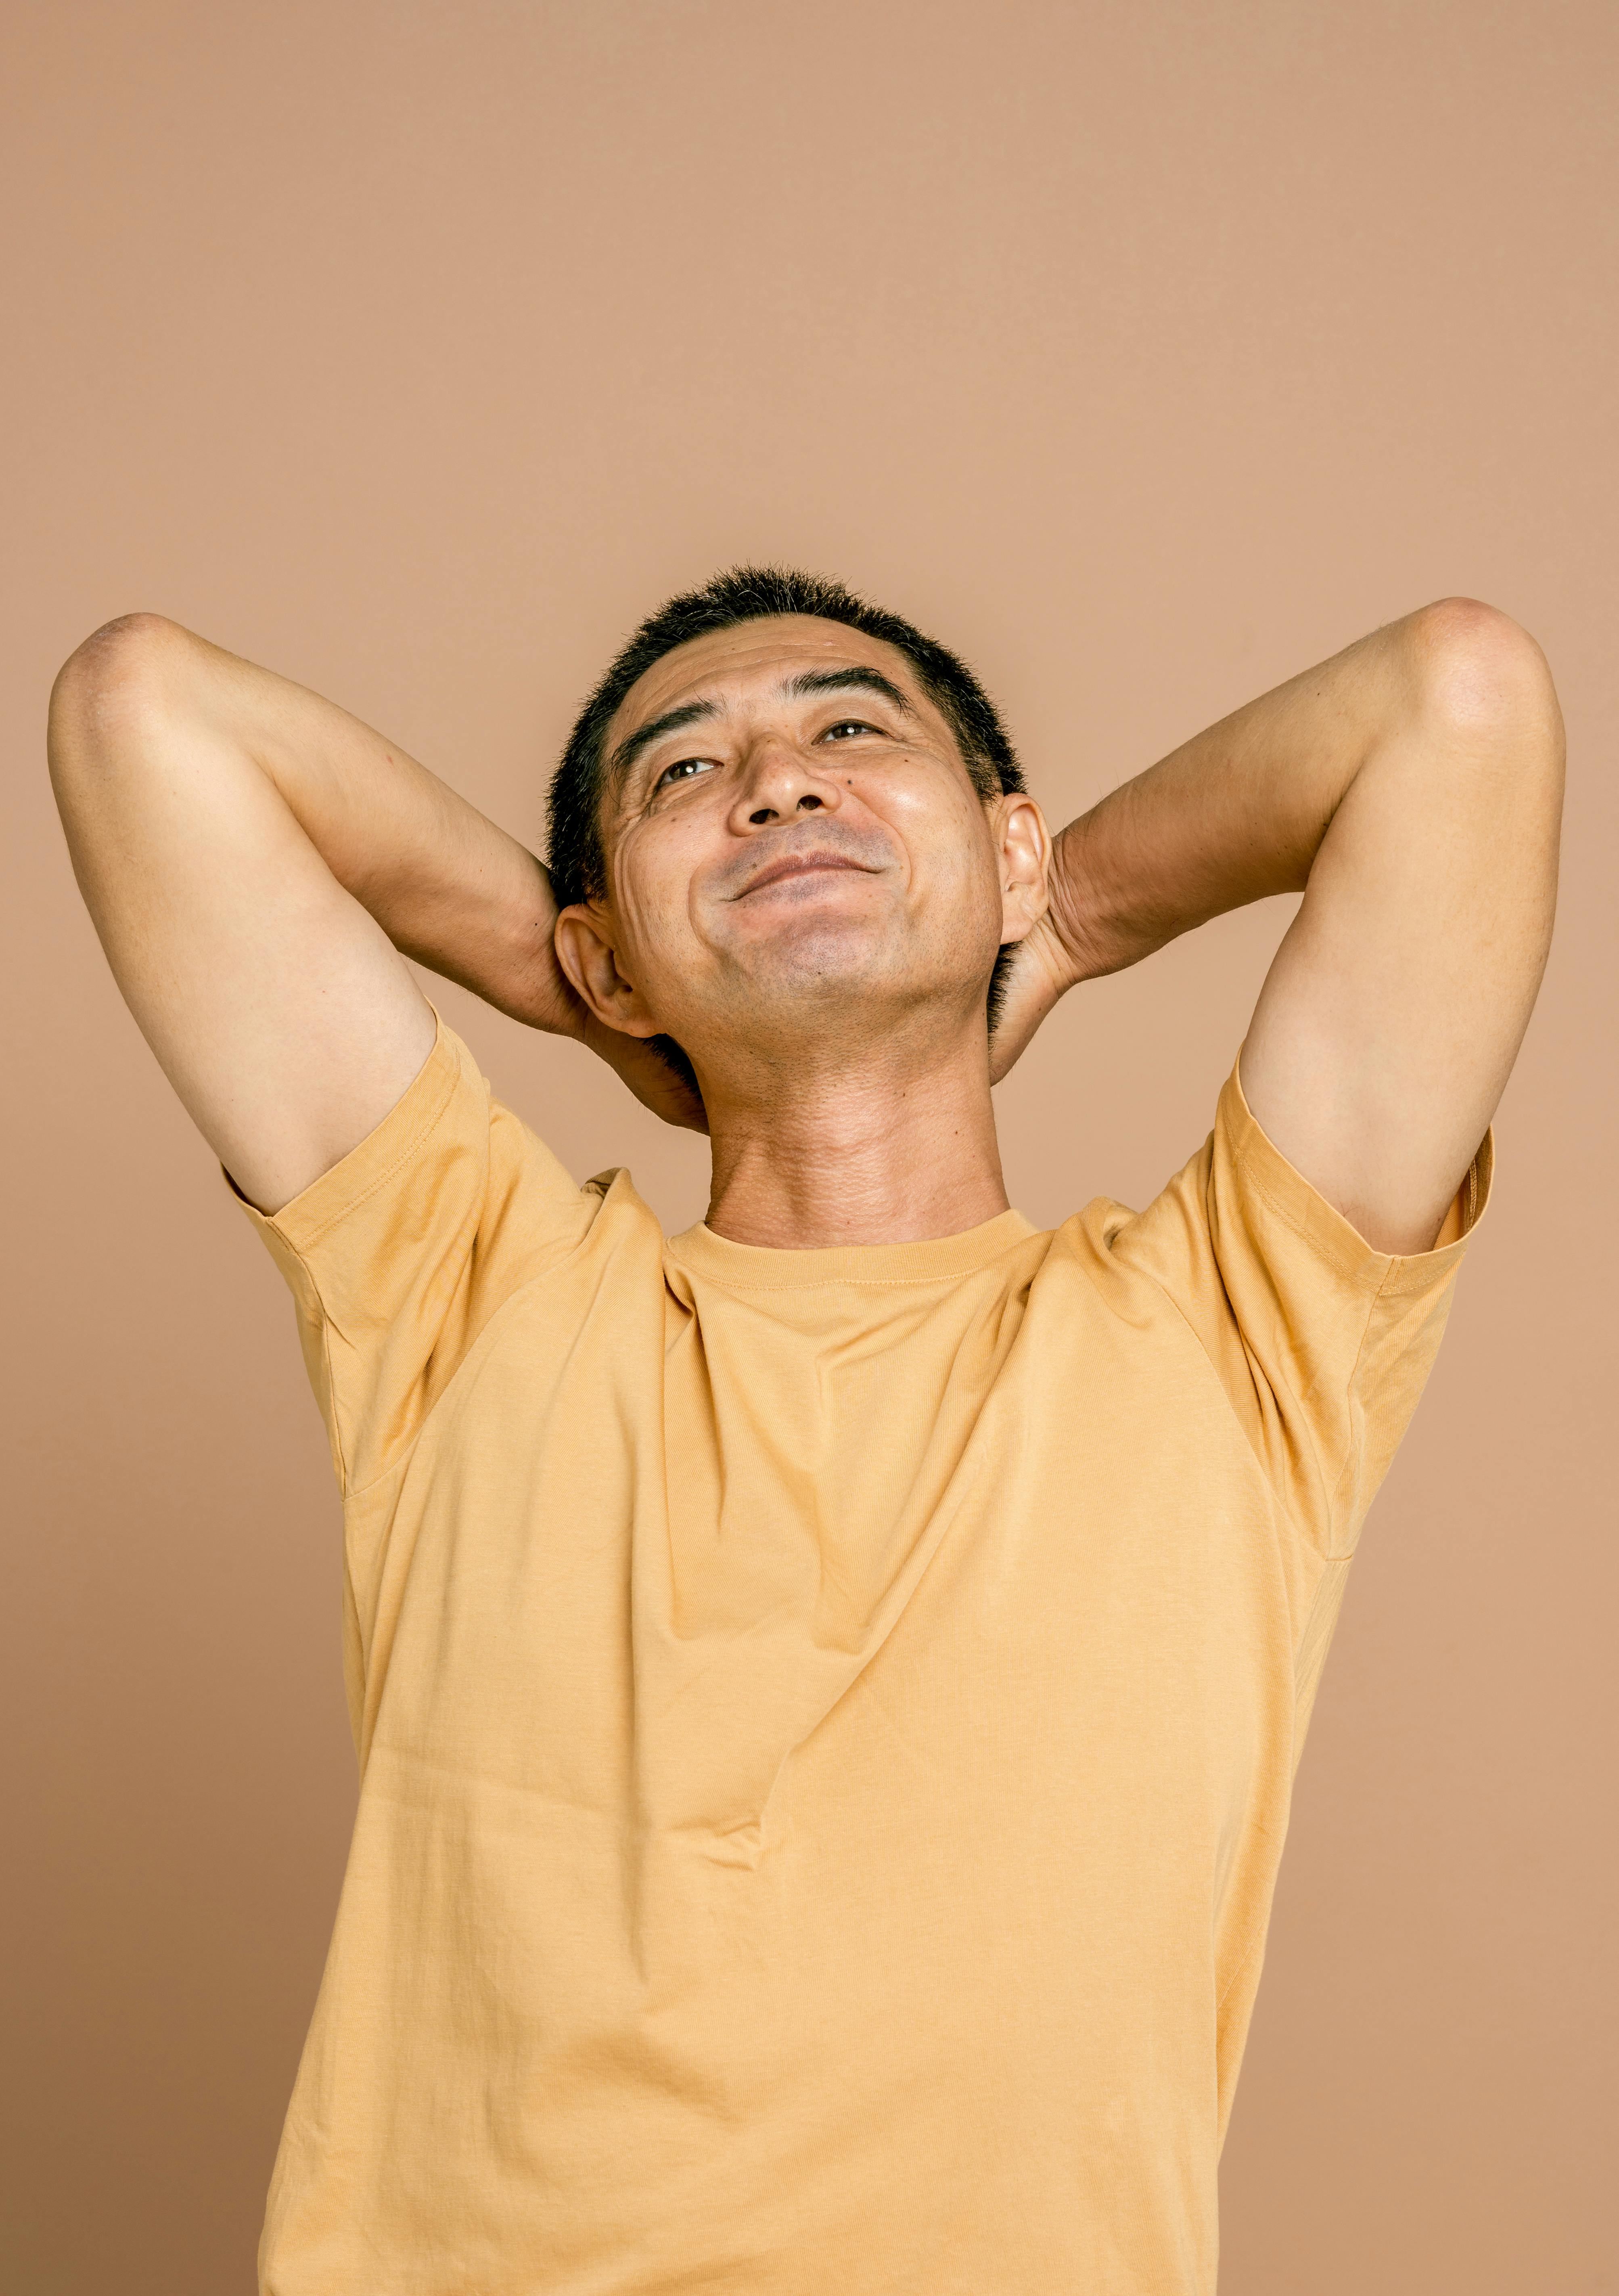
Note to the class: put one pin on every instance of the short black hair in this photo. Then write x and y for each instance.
(747, 593)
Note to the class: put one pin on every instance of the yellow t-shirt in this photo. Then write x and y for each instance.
(826, 1719)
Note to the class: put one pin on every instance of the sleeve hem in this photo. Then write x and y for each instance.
(1303, 1207)
(344, 1185)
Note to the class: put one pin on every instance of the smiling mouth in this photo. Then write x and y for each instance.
(799, 865)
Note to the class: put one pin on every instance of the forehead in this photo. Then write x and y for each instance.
(748, 663)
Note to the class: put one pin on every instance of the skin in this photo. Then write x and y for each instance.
(808, 893)
(255, 862)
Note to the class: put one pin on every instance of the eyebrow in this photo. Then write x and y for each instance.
(849, 680)
(853, 680)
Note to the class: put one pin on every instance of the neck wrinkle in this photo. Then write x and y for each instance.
(892, 1149)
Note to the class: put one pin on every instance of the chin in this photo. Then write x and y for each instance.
(834, 954)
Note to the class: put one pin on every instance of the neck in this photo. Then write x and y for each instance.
(893, 1143)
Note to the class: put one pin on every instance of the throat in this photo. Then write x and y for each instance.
(860, 1156)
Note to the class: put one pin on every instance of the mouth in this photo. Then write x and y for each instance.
(799, 865)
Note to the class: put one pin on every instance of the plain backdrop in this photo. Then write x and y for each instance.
(1146, 352)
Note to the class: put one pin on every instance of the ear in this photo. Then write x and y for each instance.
(1024, 846)
(584, 943)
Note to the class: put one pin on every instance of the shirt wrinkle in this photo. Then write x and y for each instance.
(827, 1720)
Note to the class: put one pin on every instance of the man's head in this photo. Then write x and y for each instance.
(788, 811)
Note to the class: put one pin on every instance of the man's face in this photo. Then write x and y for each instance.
(794, 842)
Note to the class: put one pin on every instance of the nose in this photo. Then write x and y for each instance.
(781, 784)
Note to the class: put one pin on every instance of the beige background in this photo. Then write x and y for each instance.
(1149, 352)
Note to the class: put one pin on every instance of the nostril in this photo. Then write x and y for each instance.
(765, 813)
(808, 802)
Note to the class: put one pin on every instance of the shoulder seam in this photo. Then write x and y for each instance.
(1266, 1477)
(1209, 1365)
(457, 1377)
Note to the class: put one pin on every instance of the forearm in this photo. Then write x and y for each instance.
(1238, 812)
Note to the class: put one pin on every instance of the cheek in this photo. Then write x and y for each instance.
(971, 910)
(952, 856)
(653, 869)
(935, 811)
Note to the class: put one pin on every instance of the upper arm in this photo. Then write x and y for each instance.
(284, 1017)
(1391, 1018)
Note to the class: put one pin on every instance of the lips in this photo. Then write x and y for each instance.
(798, 865)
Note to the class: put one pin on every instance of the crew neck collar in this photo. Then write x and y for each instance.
(755, 1267)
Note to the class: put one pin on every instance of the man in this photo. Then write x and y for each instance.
(827, 1686)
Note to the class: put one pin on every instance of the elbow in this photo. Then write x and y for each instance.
(1481, 681)
(123, 655)
(122, 680)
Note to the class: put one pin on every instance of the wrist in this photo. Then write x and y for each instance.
(542, 993)
(523, 975)
(1084, 939)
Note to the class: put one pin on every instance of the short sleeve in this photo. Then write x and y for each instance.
(1322, 1344)
(400, 1255)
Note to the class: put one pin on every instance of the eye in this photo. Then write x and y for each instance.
(683, 769)
(846, 727)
